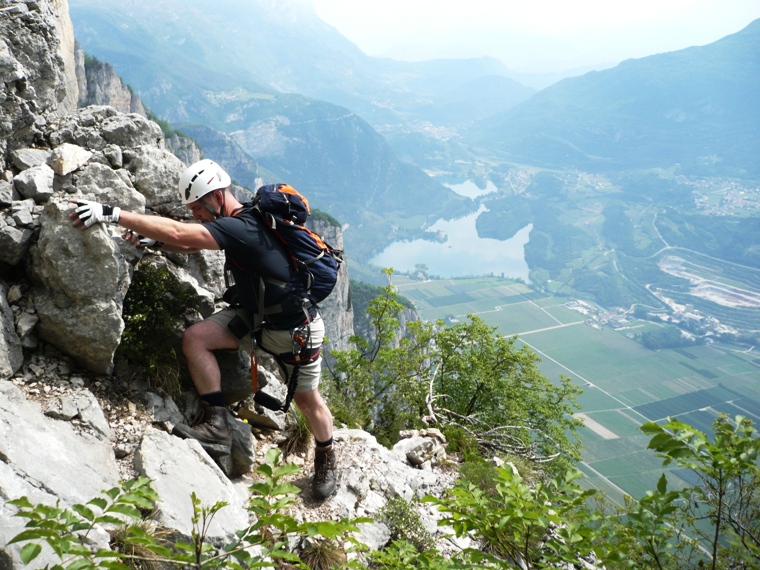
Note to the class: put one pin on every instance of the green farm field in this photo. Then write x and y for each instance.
(624, 383)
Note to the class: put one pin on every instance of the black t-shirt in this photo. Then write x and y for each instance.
(252, 250)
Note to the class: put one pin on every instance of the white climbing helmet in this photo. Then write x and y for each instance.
(201, 178)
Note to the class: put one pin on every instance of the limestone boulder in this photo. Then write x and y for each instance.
(156, 174)
(14, 241)
(102, 183)
(69, 157)
(8, 194)
(133, 130)
(36, 183)
(83, 406)
(180, 467)
(24, 158)
(80, 279)
(205, 266)
(66, 465)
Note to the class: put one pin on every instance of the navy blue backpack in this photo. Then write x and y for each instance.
(316, 263)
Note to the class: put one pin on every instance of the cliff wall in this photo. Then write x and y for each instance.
(69, 427)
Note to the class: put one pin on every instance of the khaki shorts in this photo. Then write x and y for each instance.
(279, 342)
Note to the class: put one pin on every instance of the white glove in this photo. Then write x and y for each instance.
(141, 240)
(96, 213)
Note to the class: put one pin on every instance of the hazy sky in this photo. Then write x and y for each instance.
(534, 35)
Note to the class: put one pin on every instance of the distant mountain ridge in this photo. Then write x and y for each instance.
(696, 107)
(173, 61)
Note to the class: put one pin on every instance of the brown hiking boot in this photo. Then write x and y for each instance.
(323, 484)
(211, 428)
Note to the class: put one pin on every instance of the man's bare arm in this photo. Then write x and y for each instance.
(178, 236)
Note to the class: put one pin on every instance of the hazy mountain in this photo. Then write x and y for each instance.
(339, 161)
(476, 99)
(696, 107)
(229, 66)
(186, 57)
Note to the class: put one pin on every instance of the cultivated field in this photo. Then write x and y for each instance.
(624, 383)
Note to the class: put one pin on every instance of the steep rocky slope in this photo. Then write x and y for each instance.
(71, 425)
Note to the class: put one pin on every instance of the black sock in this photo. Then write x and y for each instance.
(327, 443)
(214, 399)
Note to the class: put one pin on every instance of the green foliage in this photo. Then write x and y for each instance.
(153, 309)
(542, 525)
(362, 294)
(665, 337)
(477, 379)
(459, 441)
(481, 474)
(495, 392)
(405, 524)
(650, 532)
(138, 556)
(65, 531)
(323, 555)
(322, 216)
(402, 555)
(298, 434)
(165, 126)
(91, 61)
(728, 492)
(380, 384)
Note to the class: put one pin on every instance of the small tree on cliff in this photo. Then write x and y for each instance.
(465, 375)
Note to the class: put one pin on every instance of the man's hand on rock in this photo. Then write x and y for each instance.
(141, 240)
(88, 213)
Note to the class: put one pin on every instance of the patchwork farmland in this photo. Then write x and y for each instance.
(624, 383)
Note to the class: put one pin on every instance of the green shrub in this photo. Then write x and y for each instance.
(153, 325)
(298, 434)
(459, 441)
(263, 543)
(323, 554)
(405, 524)
(319, 215)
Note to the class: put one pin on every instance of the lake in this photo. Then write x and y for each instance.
(463, 254)
(470, 189)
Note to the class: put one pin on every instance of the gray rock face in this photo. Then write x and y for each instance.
(37, 67)
(180, 467)
(131, 131)
(184, 148)
(369, 475)
(65, 465)
(336, 309)
(24, 158)
(14, 241)
(156, 175)
(82, 405)
(100, 85)
(8, 193)
(36, 183)
(81, 278)
(11, 354)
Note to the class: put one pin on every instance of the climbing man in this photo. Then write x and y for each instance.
(252, 253)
